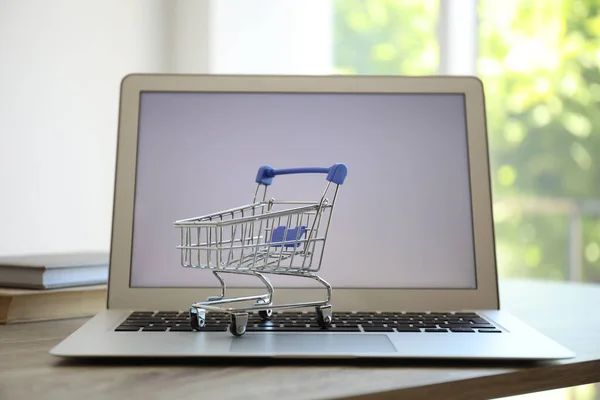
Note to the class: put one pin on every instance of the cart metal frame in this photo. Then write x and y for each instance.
(259, 239)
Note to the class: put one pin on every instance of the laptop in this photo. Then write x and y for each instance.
(215, 251)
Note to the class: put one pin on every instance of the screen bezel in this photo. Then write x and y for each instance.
(484, 296)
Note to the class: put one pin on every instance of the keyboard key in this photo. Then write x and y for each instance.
(314, 328)
(141, 313)
(304, 321)
(339, 320)
(373, 323)
(439, 315)
(166, 314)
(436, 330)
(489, 331)
(407, 326)
(268, 324)
(377, 329)
(182, 328)
(452, 326)
(466, 314)
(461, 330)
(342, 329)
(154, 329)
(136, 323)
(139, 323)
(127, 328)
(482, 326)
(408, 329)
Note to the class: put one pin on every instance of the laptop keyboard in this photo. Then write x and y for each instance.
(290, 321)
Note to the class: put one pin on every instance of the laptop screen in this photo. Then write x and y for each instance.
(402, 218)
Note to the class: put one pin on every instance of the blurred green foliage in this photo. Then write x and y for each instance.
(386, 37)
(540, 64)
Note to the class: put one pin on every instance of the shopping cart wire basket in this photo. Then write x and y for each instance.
(283, 237)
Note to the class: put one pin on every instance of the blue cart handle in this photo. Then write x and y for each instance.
(336, 173)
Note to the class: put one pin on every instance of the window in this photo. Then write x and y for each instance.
(386, 37)
(539, 62)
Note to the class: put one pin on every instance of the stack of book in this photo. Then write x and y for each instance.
(52, 286)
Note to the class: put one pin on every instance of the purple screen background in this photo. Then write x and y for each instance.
(403, 216)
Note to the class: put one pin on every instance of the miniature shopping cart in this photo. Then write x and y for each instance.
(265, 237)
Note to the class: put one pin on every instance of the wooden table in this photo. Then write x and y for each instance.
(568, 313)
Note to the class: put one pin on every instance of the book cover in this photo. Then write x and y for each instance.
(58, 270)
(27, 305)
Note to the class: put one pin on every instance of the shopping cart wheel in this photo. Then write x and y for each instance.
(323, 316)
(264, 314)
(197, 318)
(238, 324)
